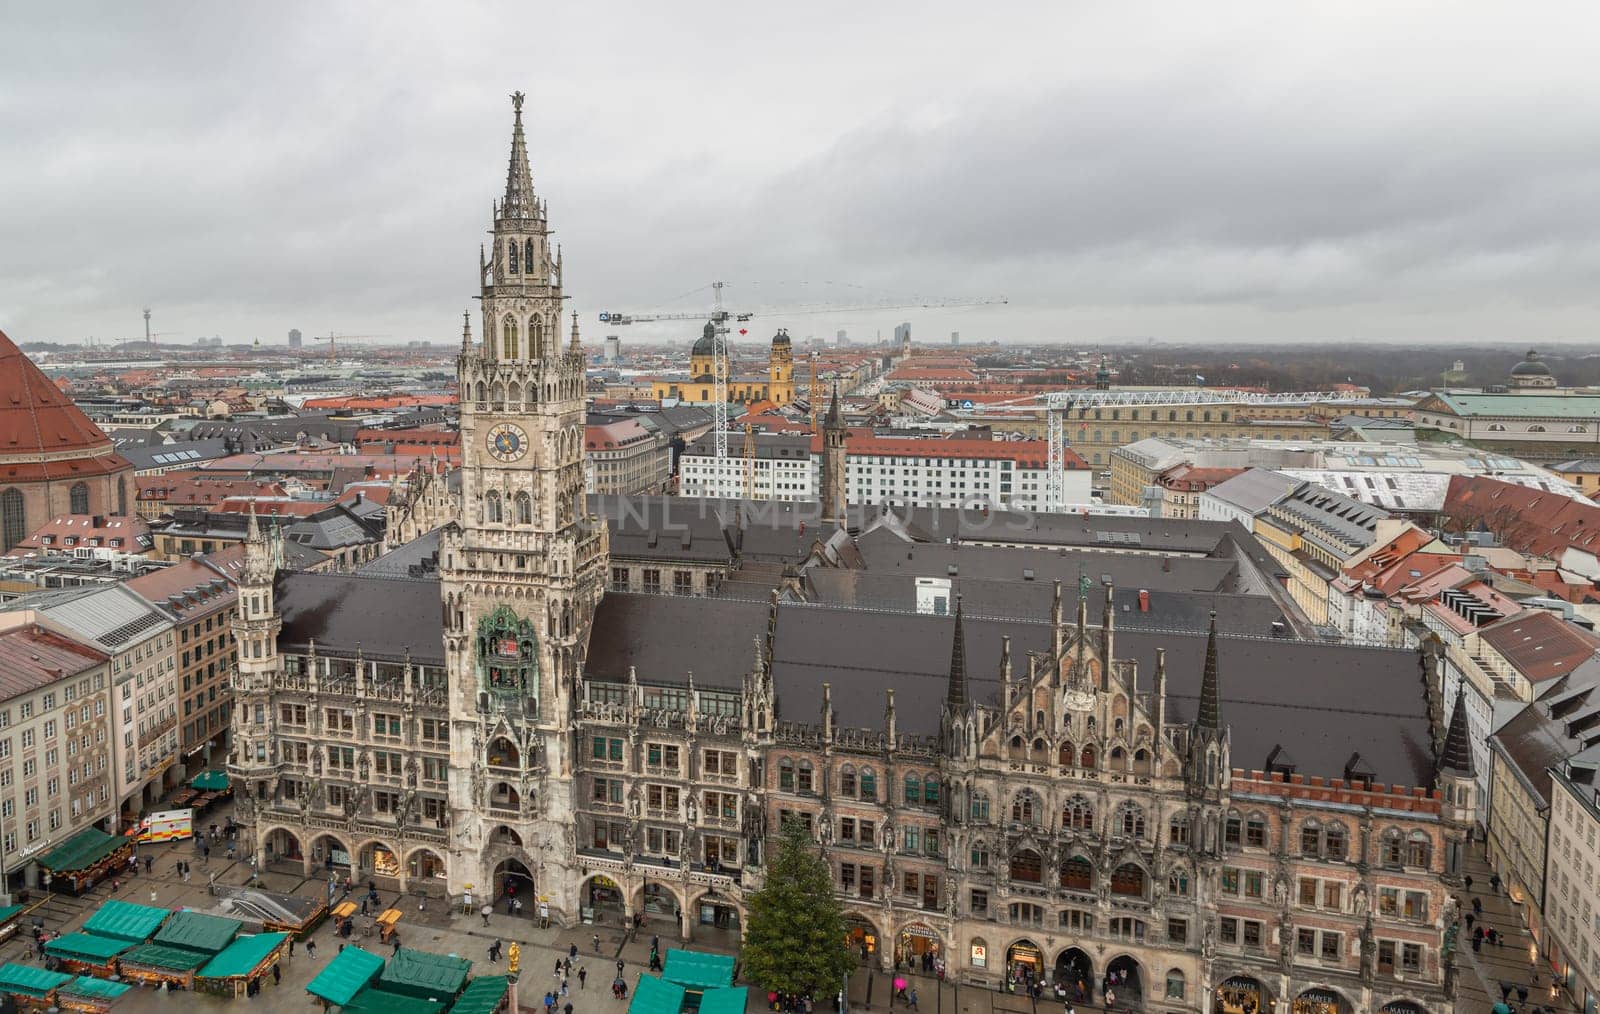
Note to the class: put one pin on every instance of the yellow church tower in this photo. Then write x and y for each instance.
(780, 370)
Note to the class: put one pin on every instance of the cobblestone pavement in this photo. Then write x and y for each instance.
(1513, 962)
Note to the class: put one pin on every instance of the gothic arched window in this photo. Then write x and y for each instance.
(1025, 808)
(491, 506)
(78, 498)
(511, 249)
(509, 340)
(847, 780)
(1078, 814)
(869, 784)
(913, 790)
(1130, 820)
(527, 257)
(1077, 874)
(930, 790)
(524, 509)
(13, 528)
(786, 775)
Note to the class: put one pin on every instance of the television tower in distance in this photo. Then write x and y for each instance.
(147, 341)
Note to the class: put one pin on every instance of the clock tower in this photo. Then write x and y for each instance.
(522, 568)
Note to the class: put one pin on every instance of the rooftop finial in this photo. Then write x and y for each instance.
(466, 329)
(519, 200)
(516, 103)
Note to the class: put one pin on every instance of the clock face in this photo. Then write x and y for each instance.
(507, 442)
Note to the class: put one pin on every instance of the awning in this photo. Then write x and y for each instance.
(82, 851)
(698, 970)
(654, 996)
(425, 975)
(350, 971)
(126, 921)
(373, 1000)
(86, 947)
(9, 913)
(210, 781)
(727, 1000)
(199, 932)
(99, 989)
(25, 980)
(243, 956)
(482, 995)
(168, 959)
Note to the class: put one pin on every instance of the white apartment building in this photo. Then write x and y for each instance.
(1572, 878)
(902, 471)
(139, 639)
(54, 746)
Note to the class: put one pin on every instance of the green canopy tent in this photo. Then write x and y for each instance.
(245, 957)
(206, 935)
(210, 781)
(482, 995)
(725, 1000)
(87, 993)
(9, 913)
(152, 964)
(84, 859)
(123, 920)
(86, 948)
(697, 970)
(350, 971)
(25, 980)
(373, 1000)
(655, 996)
(424, 975)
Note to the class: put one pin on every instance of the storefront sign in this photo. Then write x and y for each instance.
(605, 881)
(980, 956)
(384, 864)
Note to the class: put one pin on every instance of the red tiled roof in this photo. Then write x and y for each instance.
(128, 534)
(1540, 645)
(1526, 519)
(374, 403)
(31, 657)
(37, 418)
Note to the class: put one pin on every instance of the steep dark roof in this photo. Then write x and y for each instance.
(665, 637)
(1457, 753)
(1209, 715)
(1328, 700)
(344, 613)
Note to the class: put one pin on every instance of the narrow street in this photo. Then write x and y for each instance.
(1513, 962)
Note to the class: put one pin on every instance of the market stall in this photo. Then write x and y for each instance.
(388, 924)
(486, 994)
(211, 781)
(245, 961)
(85, 859)
(158, 964)
(373, 1000)
(92, 996)
(348, 973)
(726, 1000)
(124, 920)
(204, 934)
(656, 996)
(86, 953)
(31, 988)
(424, 975)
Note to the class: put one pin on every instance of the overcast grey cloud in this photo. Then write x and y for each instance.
(1191, 171)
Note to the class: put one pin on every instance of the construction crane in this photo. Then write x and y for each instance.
(333, 341)
(719, 317)
(749, 462)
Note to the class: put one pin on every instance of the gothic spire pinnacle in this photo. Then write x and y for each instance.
(253, 533)
(466, 330)
(1456, 755)
(833, 417)
(575, 344)
(1210, 716)
(519, 200)
(956, 696)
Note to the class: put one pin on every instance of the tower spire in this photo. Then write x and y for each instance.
(956, 696)
(1456, 755)
(466, 330)
(575, 345)
(519, 200)
(1210, 716)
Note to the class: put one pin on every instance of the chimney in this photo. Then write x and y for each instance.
(1144, 600)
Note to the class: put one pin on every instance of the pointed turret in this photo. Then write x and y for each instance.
(576, 345)
(466, 330)
(1456, 754)
(835, 508)
(956, 694)
(834, 417)
(519, 201)
(1210, 715)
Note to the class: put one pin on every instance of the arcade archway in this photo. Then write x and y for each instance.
(283, 845)
(378, 859)
(1074, 971)
(861, 935)
(1124, 980)
(714, 910)
(512, 879)
(1242, 994)
(919, 947)
(331, 853)
(601, 899)
(423, 866)
(658, 901)
(1024, 964)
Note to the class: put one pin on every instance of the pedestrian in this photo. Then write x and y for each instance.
(565, 990)
(619, 966)
(1494, 883)
(291, 947)
(363, 906)
(566, 1008)
(494, 952)
(911, 996)
(558, 968)
(485, 913)
(572, 952)
(583, 976)
(1470, 920)
(340, 950)
(397, 946)
(1477, 907)
(1468, 881)
(1505, 990)
(149, 861)
(277, 975)
(311, 948)
(597, 943)
(1522, 994)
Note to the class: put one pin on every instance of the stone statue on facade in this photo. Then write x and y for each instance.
(1358, 899)
(1280, 890)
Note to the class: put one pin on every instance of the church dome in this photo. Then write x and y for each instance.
(782, 337)
(707, 345)
(1530, 366)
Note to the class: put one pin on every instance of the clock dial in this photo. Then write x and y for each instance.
(507, 442)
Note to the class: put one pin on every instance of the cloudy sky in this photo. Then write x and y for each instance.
(1350, 170)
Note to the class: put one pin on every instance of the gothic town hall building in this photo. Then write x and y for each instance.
(1220, 823)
